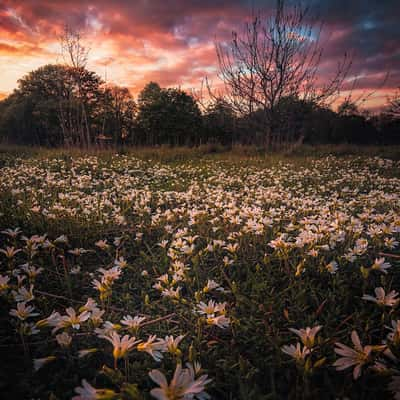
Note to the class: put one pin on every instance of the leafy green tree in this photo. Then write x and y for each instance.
(351, 126)
(167, 116)
(119, 113)
(183, 122)
(45, 109)
(150, 113)
(31, 113)
(219, 123)
(150, 94)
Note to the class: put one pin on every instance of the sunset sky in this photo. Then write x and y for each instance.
(172, 41)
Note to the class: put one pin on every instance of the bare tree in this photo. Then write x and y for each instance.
(73, 50)
(276, 58)
(75, 55)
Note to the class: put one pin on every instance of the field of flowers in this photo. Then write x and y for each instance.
(247, 278)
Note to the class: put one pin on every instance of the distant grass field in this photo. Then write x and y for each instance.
(187, 273)
(170, 154)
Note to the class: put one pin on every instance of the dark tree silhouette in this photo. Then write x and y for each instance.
(167, 116)
(119, 113)
(394, 105)
(45, 108)
(274, 58)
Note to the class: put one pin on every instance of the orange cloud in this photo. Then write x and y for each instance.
(22, 50)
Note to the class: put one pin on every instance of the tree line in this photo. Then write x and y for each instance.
(272, 97)
(46, 110)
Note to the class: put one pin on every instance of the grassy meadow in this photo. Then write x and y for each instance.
(200, 273)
